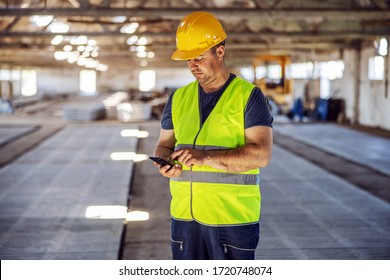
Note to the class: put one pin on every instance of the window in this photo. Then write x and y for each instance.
(9, 75)
(332, 69)
(376, 68)
(146, 80)
(10, 82)
(29, 82)
(382, 47)
(273, 72)
(247, 73)
(261, 72)
(88, 81)
(301, 70)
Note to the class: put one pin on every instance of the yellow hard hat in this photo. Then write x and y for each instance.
(197, 32)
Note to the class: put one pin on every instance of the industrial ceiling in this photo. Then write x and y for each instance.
(120, 34)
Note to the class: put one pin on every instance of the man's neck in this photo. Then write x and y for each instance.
(217, 84)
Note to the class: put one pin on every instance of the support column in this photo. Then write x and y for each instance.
(357, 79)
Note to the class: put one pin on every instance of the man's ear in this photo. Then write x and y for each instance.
(220, 51)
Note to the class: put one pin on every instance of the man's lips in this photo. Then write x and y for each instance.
(196, 73)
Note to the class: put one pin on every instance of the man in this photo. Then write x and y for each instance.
(218, 130)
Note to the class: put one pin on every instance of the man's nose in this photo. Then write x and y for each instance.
(192, 63)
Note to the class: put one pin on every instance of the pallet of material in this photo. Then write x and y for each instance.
(84, 112)
(134, 111)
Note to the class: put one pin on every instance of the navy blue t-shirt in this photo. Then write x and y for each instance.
(256, 111)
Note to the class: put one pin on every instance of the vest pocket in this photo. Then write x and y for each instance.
(239, 242)
(238, 253)
(227, 247)
(177, 245)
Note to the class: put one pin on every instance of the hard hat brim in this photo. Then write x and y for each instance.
(186, 55)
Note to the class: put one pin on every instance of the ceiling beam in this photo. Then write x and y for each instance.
(285, 14)
(123, 50)
(265, 5)
(330, 35)
(382, 4)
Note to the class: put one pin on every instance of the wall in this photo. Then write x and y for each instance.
(374, 106)
(9, 89)
(173, 77)
(365, 100)
(116, 80)
(59, 81)
(346, 88)
(52, 81)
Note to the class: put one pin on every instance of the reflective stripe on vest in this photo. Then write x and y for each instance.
(219, 177)
(203, 193)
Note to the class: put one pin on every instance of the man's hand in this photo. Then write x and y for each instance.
(256, 153)
(169, 171)
(189, 157)
(165, 146)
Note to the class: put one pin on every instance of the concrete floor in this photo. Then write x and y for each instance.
(48, 194)
(307, 212)
(314, 207)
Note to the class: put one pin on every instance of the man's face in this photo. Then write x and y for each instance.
(206, 66)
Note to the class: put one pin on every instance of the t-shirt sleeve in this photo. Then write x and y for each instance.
(166, 119)
(257, 112)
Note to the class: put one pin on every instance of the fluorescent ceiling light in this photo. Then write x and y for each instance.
(41, 20)
(61, 55)
(79, 40)
(150, 54)
(143, 41)
(102, 67)
(92, 42)
(132, 40)
(58, 27)
(57, 40)
(119, 19)
(68, 48)
(129, 28)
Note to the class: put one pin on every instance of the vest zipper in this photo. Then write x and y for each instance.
(192, 214)
(193, 146)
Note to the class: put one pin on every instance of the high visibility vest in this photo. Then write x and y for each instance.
(202, 193)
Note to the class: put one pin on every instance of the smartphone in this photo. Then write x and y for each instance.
(161, 161)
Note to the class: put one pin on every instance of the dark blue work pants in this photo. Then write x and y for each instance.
(194, 241)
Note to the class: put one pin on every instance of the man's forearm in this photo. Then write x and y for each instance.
(163, 152)
(238, 160)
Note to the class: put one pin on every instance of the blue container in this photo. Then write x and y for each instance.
(322, 109)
